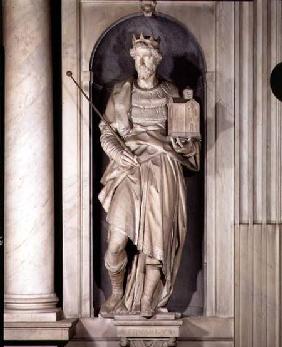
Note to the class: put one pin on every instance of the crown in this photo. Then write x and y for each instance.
(149, 41)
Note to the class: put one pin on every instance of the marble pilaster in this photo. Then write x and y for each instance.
(29, 202)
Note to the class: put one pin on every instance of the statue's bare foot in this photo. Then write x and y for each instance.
(111, 303)
(146, 308)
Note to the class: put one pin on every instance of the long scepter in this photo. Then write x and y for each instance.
(121, 142)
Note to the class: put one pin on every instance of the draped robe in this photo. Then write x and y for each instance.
(147, 203)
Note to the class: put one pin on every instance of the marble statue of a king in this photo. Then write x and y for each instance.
(143, 188)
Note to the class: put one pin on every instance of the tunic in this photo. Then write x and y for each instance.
(147, 203)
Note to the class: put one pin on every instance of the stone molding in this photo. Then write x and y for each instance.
(40, 331)
(192, 329)
(258, 125)
(258, 269)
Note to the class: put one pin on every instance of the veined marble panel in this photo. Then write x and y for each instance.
(224, 160)
(258, 114)
(71, 162)
(258, 272)
(62, 330)
(244, 108)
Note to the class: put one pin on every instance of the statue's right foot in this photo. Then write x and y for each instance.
(115, 299)
(146, 308)
(111, 303)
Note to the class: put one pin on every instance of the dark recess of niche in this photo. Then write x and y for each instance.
(184, 65)
(1, 178)
(55, 8)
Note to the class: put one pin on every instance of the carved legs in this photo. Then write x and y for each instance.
(115, 262)
(115, 299)
(116, 258)
(152, 278)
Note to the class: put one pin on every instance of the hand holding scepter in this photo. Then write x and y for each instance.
(121, 142)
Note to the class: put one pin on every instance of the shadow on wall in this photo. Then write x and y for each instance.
(183, 64)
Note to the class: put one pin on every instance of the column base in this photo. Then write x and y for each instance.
(40, 331)
(33, 316)
(31, 308)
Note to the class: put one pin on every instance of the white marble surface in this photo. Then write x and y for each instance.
(259, 113)
(140, 327)
(180, 343)
(204, 331)
(47, 315)
(76, 276)
(192, 327)
(224, 161)
(258, 285)
(40, 331)
(258, 176)
(29, 205)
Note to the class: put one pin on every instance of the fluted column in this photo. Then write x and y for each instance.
(29, 205)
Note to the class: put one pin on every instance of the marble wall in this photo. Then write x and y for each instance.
(242, 268)
(219, 235)
(83, 24)
(241, 43)
(258, 265)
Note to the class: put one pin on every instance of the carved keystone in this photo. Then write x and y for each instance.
(148, 7)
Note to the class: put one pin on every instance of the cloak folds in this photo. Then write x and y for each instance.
(147, 203)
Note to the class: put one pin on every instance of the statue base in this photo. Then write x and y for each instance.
(161, 330)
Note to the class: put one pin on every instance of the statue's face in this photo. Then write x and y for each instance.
(145, 63)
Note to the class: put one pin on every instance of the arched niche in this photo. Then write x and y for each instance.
(183, 64)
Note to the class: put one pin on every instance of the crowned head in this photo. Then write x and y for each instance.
(146, 43)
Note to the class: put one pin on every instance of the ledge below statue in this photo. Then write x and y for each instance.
(195, 331)
(161, 330)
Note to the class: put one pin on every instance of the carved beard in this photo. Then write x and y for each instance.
(144, 72)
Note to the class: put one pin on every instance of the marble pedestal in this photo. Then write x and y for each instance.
(161, 330)
(51, 315)
(62, 331)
